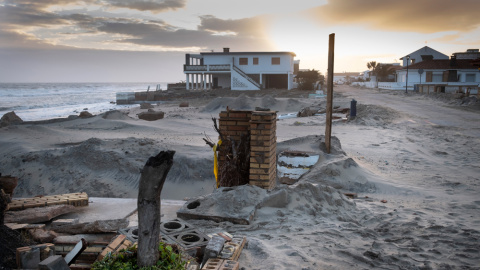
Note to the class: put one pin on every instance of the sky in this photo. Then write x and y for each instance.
(146, 40)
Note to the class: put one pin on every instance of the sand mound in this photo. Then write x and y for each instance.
(373, 115)
(240, 204)
(244, 102)
(115, 115)
(102, 168)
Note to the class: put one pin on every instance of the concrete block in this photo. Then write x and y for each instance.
(53, 263)
(230, 265)
(29, 259)
(175, 226)
(213, 248)
(213, 264)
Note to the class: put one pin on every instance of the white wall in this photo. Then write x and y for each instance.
(264, 62)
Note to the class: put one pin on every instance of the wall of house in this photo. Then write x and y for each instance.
(264, 62)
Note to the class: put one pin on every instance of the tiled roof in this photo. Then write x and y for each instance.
(443, 64)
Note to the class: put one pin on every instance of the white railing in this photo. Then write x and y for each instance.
(195, 68)
(224, 67)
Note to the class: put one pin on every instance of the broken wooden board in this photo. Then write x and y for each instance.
(37, 215)
(119, 243)
(75, 199)
(24, 226)
(99, 226)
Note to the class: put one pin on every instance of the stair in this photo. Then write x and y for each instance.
(251, 82)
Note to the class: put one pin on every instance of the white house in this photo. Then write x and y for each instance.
(240, 70)
(443, 75)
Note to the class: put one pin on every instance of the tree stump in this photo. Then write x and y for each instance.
(152, 179)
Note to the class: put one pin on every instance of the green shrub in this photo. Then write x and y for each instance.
(170, 259)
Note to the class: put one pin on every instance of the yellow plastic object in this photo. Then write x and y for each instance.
(215, 161)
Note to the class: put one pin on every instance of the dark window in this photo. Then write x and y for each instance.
(255, 60)
(275, 60)
(243, 61)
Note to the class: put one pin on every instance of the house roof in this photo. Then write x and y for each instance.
(443, 64)
(243, 53)
(425, 48)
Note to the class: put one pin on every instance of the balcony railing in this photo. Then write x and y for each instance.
(224, 67)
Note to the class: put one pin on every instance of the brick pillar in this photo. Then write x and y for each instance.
(263, 149)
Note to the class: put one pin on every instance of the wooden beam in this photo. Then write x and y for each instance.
(328, 122)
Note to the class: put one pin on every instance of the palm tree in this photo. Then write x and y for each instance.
(373, 66)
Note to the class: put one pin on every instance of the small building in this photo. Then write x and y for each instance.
(240, 70)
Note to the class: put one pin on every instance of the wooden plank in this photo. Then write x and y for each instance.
(328, 123)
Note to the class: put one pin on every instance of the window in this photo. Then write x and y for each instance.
(243, 61)
(470, 78)
(255, 60)
(275, 60)
(437, 77)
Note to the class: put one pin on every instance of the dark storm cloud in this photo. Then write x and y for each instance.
(26, 15)
(247, 26)
(424, 16)
(161, 34)
(148, 5)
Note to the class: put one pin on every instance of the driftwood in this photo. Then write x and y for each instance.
(152, 179)
(235, 167)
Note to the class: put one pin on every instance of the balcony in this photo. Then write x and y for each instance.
(200, 68)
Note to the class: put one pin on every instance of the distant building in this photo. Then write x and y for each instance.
(240, 70)
(346, 77)
(469, 54)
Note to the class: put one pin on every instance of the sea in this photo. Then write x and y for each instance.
(43, 101)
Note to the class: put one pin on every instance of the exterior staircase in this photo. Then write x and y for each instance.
(241, 81)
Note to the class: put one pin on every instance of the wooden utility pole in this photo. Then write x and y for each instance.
(328, 122)
(152, 178)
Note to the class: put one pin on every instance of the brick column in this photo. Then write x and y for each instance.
(263, 149)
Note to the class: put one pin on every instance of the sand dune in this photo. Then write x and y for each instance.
(417, 154)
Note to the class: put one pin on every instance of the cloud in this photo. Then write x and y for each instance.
(148, 5)
(162, 34)
(246, 27)
(36, 21)
(26, 15)
(424, 16)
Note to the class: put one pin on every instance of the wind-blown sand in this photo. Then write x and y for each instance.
(421, 154)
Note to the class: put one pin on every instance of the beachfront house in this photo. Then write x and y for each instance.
(240, 70)
(443, 76)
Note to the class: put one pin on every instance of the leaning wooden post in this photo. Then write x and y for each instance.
(328, 122)
(152, 178)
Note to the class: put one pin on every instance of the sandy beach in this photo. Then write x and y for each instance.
(412, 159)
